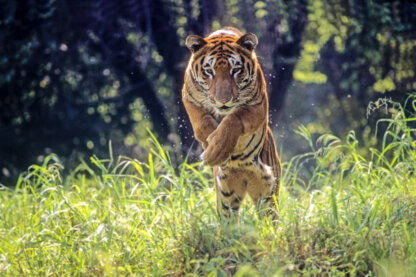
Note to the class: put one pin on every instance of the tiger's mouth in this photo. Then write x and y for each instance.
(224, 108)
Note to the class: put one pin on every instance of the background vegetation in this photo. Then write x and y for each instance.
(75, 74)
(355, 216)
(98, 169)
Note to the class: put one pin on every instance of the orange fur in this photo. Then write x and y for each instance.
(225, 97)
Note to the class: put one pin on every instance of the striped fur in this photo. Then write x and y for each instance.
(225, 97)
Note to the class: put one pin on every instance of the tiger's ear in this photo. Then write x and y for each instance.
(248, 41)
(194, 43)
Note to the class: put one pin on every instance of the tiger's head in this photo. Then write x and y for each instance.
(223, 67)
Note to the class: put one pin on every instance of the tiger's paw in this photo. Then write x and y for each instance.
(220, 147)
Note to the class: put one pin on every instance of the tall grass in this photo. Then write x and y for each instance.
(355, 215)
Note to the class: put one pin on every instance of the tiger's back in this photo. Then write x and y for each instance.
(226, 99)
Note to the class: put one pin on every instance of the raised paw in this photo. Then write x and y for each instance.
(221, 145)
(207, 127)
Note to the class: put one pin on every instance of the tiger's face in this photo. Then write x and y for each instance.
(223, 68)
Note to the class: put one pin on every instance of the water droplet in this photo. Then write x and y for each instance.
(106, 72)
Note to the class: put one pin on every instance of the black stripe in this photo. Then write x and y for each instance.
(256, 92)
(252, 137)
(237, 200)
(249, 69)
(215, 40)
(273, 161)
(196, 85)
(266, 177)
(254, 149)
(258, 86)
(246, 53)
(226, 207)
(227, 194)
(193, 98)
(254, 96)
(233, 158)
(248, 84)
(266, 159)
(228, 51)
(230, 47)
(215, 46)
(203, 53)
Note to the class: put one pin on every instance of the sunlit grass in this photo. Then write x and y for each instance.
(355, 215)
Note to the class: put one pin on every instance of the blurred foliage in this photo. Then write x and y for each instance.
(75, 74)
(360, 43)
(354, 52)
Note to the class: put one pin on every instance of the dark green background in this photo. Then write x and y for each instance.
(76, 74)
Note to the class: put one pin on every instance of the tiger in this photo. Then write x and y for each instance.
(225, 97)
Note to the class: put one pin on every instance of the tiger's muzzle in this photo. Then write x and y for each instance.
(223, 89)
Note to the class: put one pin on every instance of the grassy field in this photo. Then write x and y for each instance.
(352, 216)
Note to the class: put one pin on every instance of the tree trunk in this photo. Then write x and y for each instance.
(285, 57)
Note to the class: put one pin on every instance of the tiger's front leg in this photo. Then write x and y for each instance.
(202, 122)
(222, 141)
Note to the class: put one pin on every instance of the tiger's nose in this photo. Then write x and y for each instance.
(224, 100)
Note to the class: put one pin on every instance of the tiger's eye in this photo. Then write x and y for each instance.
(235, 71)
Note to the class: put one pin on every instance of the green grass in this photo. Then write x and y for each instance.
(353, 215)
